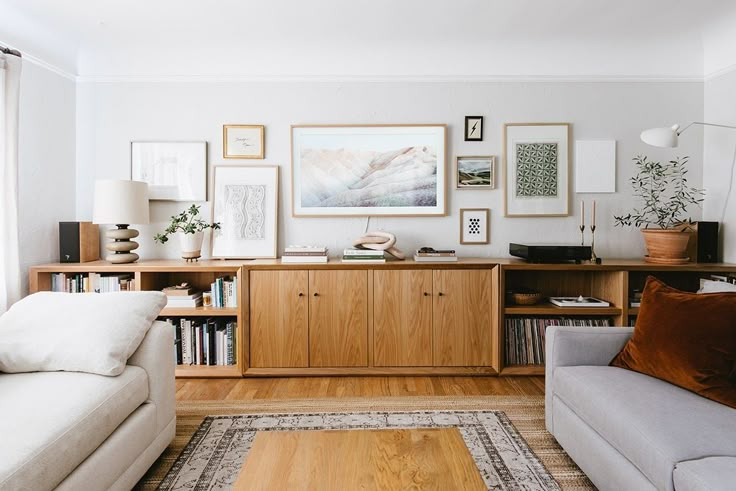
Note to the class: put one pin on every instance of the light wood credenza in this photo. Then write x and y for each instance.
(398, 318)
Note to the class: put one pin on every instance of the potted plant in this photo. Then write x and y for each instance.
(665, 197)
(191, 232)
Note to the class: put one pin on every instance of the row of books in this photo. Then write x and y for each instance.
(304, 254)
(430, 255)
(525, 336)
(204, 341)
(368, 256)
(224, 293)
(92, 282)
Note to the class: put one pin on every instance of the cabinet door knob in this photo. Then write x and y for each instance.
(301, 294)
(426, 294)
(316, 294)
(441, 294)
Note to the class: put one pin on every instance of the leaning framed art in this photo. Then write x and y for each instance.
(537, 174)
(368, 170)
(245, 204)
(174, 171)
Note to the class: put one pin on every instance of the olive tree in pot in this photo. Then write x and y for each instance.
(191, 232)
(665, 197)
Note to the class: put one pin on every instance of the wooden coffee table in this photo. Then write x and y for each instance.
(435, 458)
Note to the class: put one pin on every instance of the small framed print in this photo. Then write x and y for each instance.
(475, 172)
(473, 128)
(242, 141)
(475, 226)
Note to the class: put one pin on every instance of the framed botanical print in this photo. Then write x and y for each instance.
(475, 226)
(243, 141)
(473, 128)
(245, 203)
(475, 172)
(368, 170)
(174, 171)
(537, 174)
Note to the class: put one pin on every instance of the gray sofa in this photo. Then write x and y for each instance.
(79, 431)
(629, 431)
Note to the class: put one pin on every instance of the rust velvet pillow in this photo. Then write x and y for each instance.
(686, 339)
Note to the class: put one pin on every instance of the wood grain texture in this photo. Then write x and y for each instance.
(402, 318)
(279, 331)
(462, 318)
(338, 318)
(377, 371)
(427, 459)
(89, 242)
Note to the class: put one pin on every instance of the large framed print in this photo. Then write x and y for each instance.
(245, 204)
(174, 171)
(368, 170)
(537, 161)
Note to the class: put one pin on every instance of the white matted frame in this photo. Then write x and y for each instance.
(245, 203)
(595, 166)
(243, 141)
(475, 226)
(174, 170)
(368, 170)
(537, 169)
(474, 172)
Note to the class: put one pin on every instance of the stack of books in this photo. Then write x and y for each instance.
(304, 254)
(435, 256)
(182, 297)
(363, 256)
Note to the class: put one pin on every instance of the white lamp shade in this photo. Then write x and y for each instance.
(120, 202)
(661, 137)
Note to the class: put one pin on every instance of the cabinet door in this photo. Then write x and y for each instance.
(338, 318)
(462, 317)
(278, 319)
(402, 318)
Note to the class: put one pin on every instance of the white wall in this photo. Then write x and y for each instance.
(719, 155)
(46, 154)
(110, 115)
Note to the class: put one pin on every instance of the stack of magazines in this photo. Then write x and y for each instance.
(363, 256)
(304, 254)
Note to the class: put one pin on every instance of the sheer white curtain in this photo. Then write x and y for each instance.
(10, 66)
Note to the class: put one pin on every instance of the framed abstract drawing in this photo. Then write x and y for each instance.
(537, 161)
(174, 171)
(475, 226)
(475, 172)
(245, 203)
(368, 170)
(243, 141)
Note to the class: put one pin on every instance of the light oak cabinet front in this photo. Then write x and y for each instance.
(338, 318)
(279, 319)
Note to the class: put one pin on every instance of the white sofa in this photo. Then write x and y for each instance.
(78, 431)
(629, 431)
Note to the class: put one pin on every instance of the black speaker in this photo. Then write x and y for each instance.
(706, 243)
(79, 242)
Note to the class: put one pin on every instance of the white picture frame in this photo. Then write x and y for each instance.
(245, 204)
(475, 172)
(475, 226)
(537, 169)
(369, 170)
(174, 170)
(243, 141)
(595, 166)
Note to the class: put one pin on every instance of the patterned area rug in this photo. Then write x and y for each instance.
(514, 425)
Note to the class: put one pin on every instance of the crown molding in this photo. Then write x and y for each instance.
(48, 66)
(719, 73)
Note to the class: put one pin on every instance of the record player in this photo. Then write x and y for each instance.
(551, 253)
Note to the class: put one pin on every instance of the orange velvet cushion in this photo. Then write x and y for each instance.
(687, 339)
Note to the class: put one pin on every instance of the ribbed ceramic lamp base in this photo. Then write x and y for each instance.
(121, 245)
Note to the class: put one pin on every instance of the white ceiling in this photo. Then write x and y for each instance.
(147, 39)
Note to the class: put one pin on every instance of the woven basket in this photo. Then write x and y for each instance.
(527, 298)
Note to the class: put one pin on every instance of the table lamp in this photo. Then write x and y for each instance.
(121, 203)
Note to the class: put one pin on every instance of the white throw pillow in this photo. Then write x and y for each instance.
(76, 332)
(712, 286)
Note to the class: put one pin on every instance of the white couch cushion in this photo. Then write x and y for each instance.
(52, 421)
(652, 423)
(709, 474)
(76, 332)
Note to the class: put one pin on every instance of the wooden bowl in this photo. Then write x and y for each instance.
(527, 298)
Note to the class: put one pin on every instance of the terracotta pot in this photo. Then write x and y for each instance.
(668, 245)
(191, 245)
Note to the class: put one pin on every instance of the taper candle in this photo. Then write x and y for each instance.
(593, 221)
(582, 213)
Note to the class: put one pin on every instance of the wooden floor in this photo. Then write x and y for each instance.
(309, 387)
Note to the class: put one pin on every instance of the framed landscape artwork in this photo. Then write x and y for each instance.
(245, 203)
(243, 141)
(368, 170)
(174, 171)
(475, 172)
(537, 158)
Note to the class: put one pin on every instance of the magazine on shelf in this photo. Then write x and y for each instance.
(578, 302)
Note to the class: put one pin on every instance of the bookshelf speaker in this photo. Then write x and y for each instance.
(79, 242)
(703, 246)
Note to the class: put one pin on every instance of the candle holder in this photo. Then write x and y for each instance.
(593, 257)
(582, 235)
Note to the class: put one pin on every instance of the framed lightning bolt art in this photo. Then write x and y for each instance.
(473, 128)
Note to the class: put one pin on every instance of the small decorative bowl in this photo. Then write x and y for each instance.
(527, 298)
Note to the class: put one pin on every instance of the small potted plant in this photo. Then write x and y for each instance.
(665, 197)
(191, 232)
